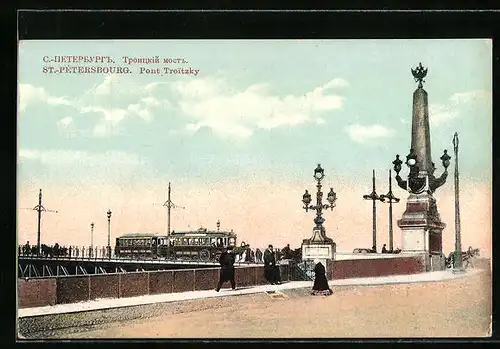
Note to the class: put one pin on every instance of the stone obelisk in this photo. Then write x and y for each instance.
(421, 223)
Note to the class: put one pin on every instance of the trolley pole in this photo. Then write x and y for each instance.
(169, 204)
(39, 208)
(374, 197)
(457, 267)
(390, 198)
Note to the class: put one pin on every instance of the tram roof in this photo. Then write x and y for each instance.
(203, 231)
(138, 235)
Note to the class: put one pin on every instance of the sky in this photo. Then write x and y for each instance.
(239, 140)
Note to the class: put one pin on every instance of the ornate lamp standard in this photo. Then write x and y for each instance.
(457, 267)
(319, 231)
(319, 246)
(390, 198)
(109, 233)
(218, 225)
(374, 197)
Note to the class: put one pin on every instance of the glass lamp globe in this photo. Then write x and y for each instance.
(411, 162)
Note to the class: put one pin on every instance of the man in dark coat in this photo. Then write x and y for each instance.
(226, 260)
(270, 272)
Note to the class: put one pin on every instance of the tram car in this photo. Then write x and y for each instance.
(137, 245)
(201, 244)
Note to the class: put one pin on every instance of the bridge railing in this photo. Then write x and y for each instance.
(101, 253)
(70, 252)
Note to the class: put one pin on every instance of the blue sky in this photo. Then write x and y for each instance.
(256, 108)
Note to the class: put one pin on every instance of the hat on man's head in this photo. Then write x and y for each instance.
(270, 246)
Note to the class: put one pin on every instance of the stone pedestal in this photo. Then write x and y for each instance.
(318, 247)
(422, 229)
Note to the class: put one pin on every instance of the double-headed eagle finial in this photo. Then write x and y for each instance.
(419, 74)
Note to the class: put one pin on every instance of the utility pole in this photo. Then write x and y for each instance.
(169, 204)
(374, 197)
(39, 208)
(390, 198)
(457, 267)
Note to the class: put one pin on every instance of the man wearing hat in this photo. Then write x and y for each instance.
(271, 271)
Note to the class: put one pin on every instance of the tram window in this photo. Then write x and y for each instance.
(231, 242)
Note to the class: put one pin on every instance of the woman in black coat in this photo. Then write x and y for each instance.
(320, 287)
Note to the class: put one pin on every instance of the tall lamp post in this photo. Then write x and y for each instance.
(457, 267)
(109, 234)
(218, 225)
(390, 198)
(319, 230)
(91, 237)
(374, 197)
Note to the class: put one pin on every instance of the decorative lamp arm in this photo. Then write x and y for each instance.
(437, 182)
(402, 184)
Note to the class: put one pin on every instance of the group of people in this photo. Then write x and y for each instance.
(271, 272)
(62, 251)
(385, 250)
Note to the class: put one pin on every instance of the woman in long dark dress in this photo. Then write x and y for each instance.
(320, 287)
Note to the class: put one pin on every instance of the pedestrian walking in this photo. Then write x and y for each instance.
(226, 260)
(320, 287)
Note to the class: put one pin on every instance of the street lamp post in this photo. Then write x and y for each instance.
(374, 197)
(390, 198)
(458, 243)
(92, 237)
(218, 225)
(319, 231)
(109, 234)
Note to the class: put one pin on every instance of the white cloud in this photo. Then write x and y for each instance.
(78, 158)
(113, 116)
(228, 112)
(362, 134)
(29, 94)
(442, 113)
(66, 127)
(209, 102)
